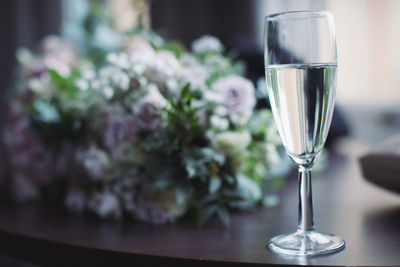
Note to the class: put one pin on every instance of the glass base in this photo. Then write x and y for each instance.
(306, 243)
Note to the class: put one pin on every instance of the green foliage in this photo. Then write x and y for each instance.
(64, 85)
(175, 47)
(45, 112)
(183, 120)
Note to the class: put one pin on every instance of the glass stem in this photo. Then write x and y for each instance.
(306, 220)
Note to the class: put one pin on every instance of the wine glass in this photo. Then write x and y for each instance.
(300, 69)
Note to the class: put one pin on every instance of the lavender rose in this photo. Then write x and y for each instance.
(30, 163)
(236, 94)
(120, 128)
(147, 110)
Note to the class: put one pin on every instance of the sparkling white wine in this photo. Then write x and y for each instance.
(302, 101)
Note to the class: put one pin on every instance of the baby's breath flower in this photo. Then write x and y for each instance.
(219, 123)
(82, 84)
(207, 43)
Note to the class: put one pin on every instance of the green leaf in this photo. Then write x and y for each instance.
(223, 215)
(180, 195)
(214, 185)
(186, 95)
(191, 170)
(46, 112)
(231, 197)
(206, 214)
(175, 47)
(248, 190)
(161, 183)
(64, 84)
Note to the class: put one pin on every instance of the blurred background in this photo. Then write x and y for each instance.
(367, 33)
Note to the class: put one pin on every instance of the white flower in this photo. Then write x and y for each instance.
(140, 61)
(168, 59)
(143, 65)
(89, 74)
(105, 205)
(154, 97)
(193, 72)
(236, 94)
(108, 92)
(94, 161)
(272, 136)
(120, 60)
(40, 84)
(233, 143)
(139, 45)
(217, 62)
(219, 123)
(273, 156)
(82, 84)
(61, 49)
(25, 57)
(114, 77)
(221, 111)
(207, 43)
(109, 79)
(59, 54)
(75, 200)
(162, 68)
(54, 63)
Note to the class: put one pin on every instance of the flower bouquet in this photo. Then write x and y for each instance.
(154, 132)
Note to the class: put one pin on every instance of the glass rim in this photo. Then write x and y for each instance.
(298, 15)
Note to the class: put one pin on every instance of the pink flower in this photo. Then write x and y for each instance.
(59, 54)
(236, 94)
(56, 53)
(139, 45)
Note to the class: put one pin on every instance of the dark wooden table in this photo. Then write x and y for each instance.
(345, 204)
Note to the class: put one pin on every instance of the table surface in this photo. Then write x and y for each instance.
(344, 203)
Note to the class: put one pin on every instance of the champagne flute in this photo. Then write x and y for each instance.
(300, 70)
